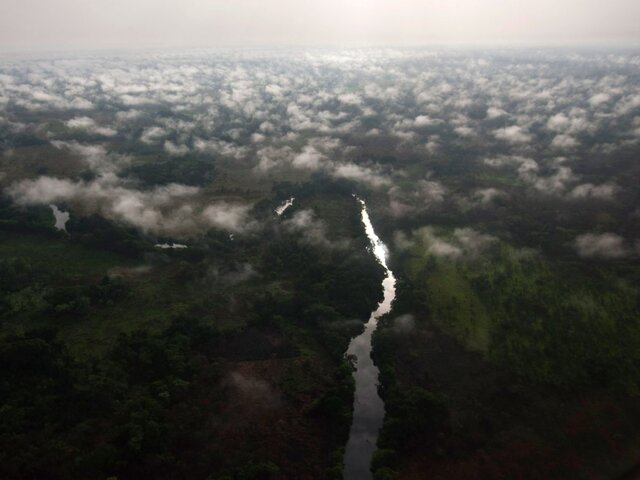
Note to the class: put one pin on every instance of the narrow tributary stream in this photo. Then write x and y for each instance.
(368, 407)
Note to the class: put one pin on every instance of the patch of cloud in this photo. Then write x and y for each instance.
(495, 112)
(175, 150)
(254, 390)
(361, 174)
(575, 122)
(555, 183)
(422, 121)
(527, 168)
(598, 99)
(350, 99)
(530, 172)
(404, 324)
(127, 116)
(513, 134)
(221, 147)
(603, 245)
(505, 160)
(465, 131)
(89, 125)
(472, 241)
(312, 230)
(564, 142)
(97, 158)
(166, 210)
(309, 159)
(152, 135)
(228, 216)
(462, 242)
(424, 195)
(486, 196)
(628, 104)
(605, 191)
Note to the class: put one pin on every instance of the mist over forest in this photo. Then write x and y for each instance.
(189, 315)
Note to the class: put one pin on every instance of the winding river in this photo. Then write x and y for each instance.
(368, 408)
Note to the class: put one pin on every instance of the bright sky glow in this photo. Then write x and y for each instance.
(94, 24)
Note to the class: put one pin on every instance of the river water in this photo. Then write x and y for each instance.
(60, 217)
(281, 209)
(368, 408)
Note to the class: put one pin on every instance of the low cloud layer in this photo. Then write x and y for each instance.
(404, 324)
(428, 132)
(312, 230)
(88, 125)
(167, 210)
(462, 242)
(604, 245)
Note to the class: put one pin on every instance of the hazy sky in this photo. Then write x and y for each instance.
(90, 24)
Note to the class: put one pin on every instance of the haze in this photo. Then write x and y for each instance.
(94, 24)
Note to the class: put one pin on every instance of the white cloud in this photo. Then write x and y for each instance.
(403, 324)
(309, 158)
(472, 241)
(494, 112)
(605, 191)
(564, 142)
(312, 230)
(576, 122)
(504, 160)
(423, 195)
(175, 150)
(153, 134)
(228, 216)
(350, 99)
(485, 196)
(275, 90)
(555, 183)
(95, 156)
(366, 175)
(605, 245)
(464, 131)
(628, 104)
(167, 210)
(90, 126)
(559, 122)
(513, 134)
(462, 242)
(424, 121)
(598, 99)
